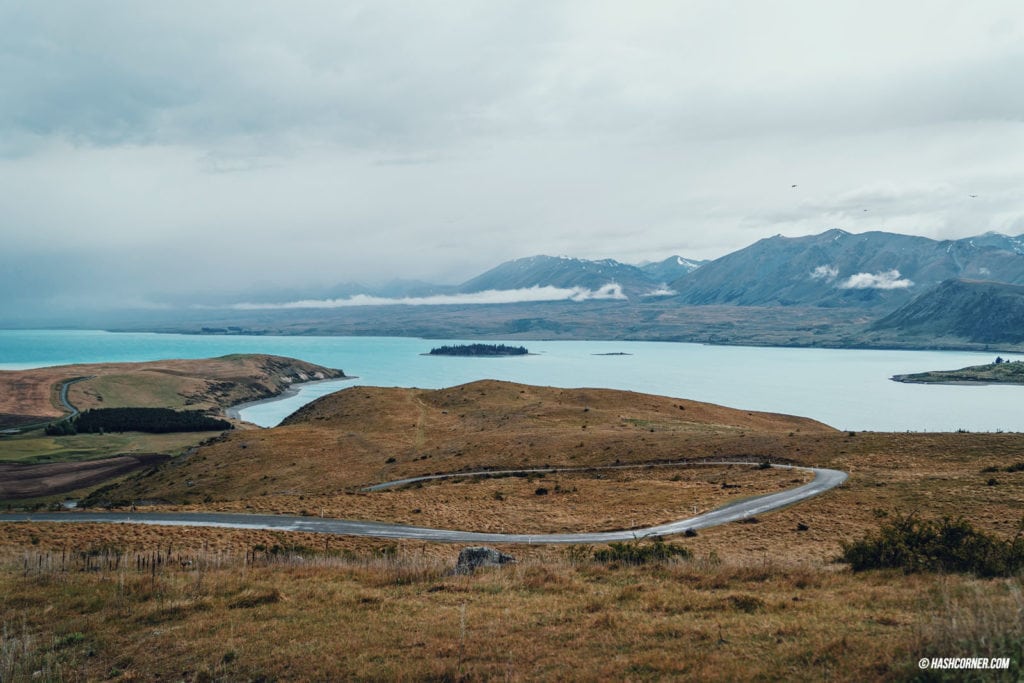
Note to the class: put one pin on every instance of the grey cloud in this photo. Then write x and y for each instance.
(164, 149)
(398, 75)
(377, 73)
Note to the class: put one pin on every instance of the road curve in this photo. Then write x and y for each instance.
(62, 396)
(824, 479)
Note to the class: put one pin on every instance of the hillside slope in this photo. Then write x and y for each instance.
(980, 312)
(365, 435)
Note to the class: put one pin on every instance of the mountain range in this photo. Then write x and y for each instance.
(837, 268)
(831, 289)
(566, 272)
(877, 270)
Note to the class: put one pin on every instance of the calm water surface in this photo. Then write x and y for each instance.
(848, 389)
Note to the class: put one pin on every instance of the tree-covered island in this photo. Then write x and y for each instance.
(479, 350)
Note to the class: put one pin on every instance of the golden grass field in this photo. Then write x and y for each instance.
(755, 601)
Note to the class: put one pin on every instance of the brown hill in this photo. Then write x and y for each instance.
(28, 396)
(365, 435)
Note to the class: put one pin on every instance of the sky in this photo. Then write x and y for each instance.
(158, 151)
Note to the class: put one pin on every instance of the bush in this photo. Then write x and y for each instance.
(948, 545)
(62, 428)
(636, 553)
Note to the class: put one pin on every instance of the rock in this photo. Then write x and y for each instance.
(480, 556)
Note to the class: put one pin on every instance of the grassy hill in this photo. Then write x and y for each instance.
(364, 435)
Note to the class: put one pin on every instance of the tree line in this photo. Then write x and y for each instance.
(151, 420)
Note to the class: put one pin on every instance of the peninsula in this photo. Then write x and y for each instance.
(33, 397)
(999, 372)
(106, 420)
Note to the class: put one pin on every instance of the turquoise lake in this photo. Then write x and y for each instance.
(848, 389)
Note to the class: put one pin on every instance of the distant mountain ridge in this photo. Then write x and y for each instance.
(837, 268)
(672, 268)
(564, 272)
(876, 272)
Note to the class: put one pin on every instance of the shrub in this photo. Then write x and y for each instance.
(912, 544)
(637, 553)
(576, 554)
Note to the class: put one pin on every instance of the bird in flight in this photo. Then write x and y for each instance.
(793, 185)
(972, 196)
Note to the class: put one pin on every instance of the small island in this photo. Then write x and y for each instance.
(479, 350)
(999, 372)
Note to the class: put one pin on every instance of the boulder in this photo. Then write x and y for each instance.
(480, 556)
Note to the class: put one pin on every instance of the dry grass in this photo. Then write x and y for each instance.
(321, 459)
(977, 619)
(362, 436)
(38, 448)
(381, 615)
(587, 501)
(758, 601)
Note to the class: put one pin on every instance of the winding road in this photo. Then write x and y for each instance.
(64, 396)
(824, 479)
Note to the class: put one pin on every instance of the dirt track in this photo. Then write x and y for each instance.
(18, 480)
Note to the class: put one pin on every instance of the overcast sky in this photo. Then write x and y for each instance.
(149, 148)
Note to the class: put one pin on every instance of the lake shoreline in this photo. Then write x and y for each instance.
(235, 412)
(958, 382)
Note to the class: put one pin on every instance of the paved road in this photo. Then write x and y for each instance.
(62, 396)
(824, 480)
